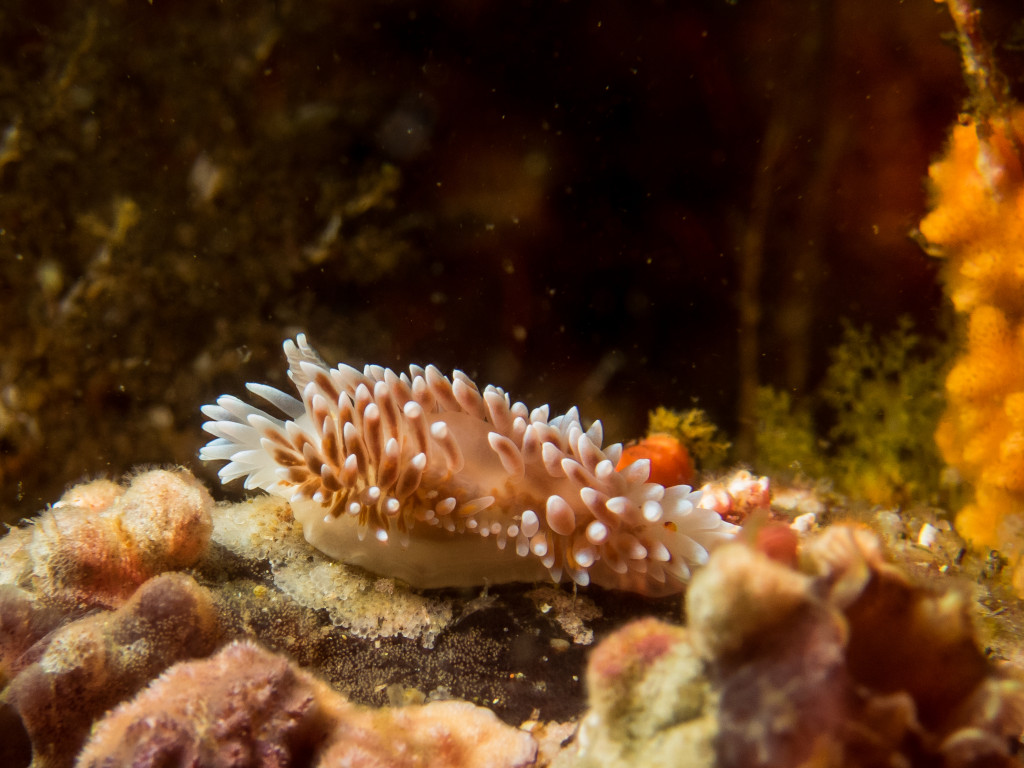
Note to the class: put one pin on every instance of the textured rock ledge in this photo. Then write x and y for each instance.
(107, 590)
(247, 706)
(796, 651)
(839, 661)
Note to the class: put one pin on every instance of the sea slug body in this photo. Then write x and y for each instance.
(432, 481)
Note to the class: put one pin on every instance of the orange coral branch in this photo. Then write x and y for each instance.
(977, 225)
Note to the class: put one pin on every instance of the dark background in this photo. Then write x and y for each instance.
(586, 203)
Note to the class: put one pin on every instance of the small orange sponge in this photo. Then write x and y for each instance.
(977, 225)
(671, 463)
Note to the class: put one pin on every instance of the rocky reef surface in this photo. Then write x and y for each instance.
(143, 625)
(840, 662)
(116, 588)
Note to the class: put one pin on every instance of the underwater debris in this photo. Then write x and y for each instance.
(247, 704)
(737, 496)
(410, 475)
(570, 612)
(843, 662)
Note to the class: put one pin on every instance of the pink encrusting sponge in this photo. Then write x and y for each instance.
(432, 481)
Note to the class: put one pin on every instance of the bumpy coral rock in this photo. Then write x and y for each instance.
(844, 663)
(65, 659)
(650, 701)
(166, 515)
(100, 542)
(247, 706)
(23, 621)
(243, 704)
(866, 669)
(442, 734)
(775, 652)
(740, 600)
(779, 541)
(84, 668)
(899, 635)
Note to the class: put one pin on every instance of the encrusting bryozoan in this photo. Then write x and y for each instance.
(429, 480)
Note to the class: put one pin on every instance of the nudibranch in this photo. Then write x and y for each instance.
(432, 481)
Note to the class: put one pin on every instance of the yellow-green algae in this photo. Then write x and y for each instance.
(880, 401)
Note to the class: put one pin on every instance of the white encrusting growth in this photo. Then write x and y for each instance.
(430, 480)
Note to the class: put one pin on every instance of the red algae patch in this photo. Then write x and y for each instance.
(779, 542)
(633, 648)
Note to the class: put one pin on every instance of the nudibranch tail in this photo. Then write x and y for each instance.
(427, 478)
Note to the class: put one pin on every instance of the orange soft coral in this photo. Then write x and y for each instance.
(671, 463)
(977, 225)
